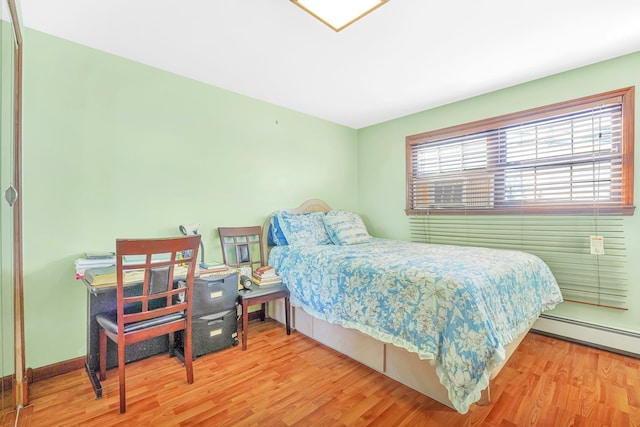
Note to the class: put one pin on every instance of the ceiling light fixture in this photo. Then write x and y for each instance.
(339, 14)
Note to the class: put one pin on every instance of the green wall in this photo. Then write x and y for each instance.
(381, 162)
(113, 148)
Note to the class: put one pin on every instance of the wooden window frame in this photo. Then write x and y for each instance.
(625, 207)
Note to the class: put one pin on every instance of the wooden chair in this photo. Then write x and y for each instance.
(160, 308)
(242, 247)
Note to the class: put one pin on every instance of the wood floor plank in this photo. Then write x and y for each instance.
(294, 381)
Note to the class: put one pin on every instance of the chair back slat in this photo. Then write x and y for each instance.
(242, 246)
(156, 312)
(159, 264)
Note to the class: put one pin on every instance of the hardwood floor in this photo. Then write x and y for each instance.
(291, 380)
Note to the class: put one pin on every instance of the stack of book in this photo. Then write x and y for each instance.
(266, 276)
(106, 276)
(94, 260)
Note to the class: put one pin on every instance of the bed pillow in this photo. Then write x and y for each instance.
(345, 228)
(276, 236)
(303, 229)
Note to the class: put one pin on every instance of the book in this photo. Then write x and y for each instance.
(265, 272)
(265, 269)
(106, 276)
(262, 283)
(266, 281)
(101, 276)
(84, 263)
(100, 255)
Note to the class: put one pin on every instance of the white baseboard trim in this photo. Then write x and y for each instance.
(615, 340)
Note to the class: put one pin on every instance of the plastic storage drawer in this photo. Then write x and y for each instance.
(212, 333)
(214, 294)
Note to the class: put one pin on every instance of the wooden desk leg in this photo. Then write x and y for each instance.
(287, 309)
(245, 323)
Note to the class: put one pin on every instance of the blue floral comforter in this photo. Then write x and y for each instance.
(457, 306)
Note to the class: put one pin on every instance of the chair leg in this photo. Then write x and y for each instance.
(172, 344)
(287, 310)
(103, 354)
(123, 397)
(245, 324)
(188, 352)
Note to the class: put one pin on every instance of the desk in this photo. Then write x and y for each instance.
(214, 294)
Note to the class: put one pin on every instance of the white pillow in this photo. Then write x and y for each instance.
(345, 228)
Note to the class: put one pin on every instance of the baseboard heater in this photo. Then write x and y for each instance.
(610, 339)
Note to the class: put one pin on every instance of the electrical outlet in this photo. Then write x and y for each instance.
(597, 245)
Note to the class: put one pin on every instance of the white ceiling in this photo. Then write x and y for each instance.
(405, 57)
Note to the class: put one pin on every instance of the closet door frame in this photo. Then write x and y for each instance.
(20, 382)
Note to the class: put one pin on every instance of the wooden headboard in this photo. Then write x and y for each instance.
(311, 205)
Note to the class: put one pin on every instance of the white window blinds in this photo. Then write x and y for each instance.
(562, 241)
(569, 158)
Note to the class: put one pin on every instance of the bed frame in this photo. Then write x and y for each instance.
(388, 359)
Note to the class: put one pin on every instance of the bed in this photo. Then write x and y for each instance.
(441, 319)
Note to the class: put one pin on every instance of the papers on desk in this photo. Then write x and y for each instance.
(106, 276)
(99, 268)
(100, 255)
(83, 264)
(102, 259)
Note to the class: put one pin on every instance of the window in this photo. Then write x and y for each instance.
(565, 165)
(574, 157)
